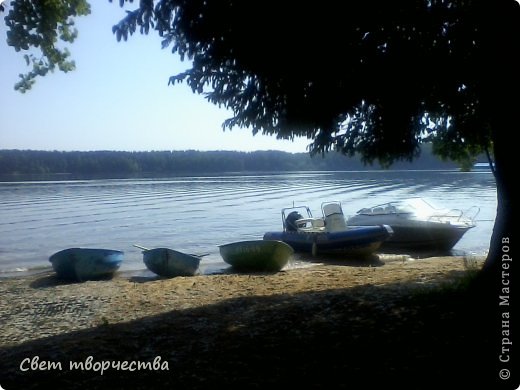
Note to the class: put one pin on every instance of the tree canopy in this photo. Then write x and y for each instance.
(370, 77)
(43, 25)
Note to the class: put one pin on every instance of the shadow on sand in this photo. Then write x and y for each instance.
(337, 259)
(51, 280)
(365, 335)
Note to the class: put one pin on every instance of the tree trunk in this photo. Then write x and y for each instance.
(501, 239)
(492, 299)
(491, 296)
(500, 81)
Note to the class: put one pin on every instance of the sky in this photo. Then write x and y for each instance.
(118, 98)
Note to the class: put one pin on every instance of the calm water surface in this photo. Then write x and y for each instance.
(196, 214)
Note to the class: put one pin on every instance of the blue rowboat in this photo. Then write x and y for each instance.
(80, 264)
(256, 255)
(168, 263)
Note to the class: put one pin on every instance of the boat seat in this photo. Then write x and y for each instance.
(310, 224)
(390, 209)
(378, 210)
(331, 208)
(335, 223)
(334, 217)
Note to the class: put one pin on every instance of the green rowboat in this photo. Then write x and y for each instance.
(257, 255)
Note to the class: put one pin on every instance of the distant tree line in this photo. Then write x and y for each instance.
(23, 162)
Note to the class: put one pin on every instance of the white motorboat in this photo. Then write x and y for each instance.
(417, 225)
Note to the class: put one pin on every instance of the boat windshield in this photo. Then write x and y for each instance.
(419, 208)
(389, 208)
(416, 206)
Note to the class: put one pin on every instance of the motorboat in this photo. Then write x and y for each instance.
(256, 255)
(328, 234)
(417, 224)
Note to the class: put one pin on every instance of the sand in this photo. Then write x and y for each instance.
(41, 305)
(233, 329)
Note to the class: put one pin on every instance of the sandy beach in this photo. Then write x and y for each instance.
(348, 319)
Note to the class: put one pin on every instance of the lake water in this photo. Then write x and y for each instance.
(196, 214)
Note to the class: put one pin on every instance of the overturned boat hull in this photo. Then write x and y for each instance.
(257, 255)
(81, 264)
(169, 263)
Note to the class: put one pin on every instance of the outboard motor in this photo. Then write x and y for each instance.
(290, 221)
